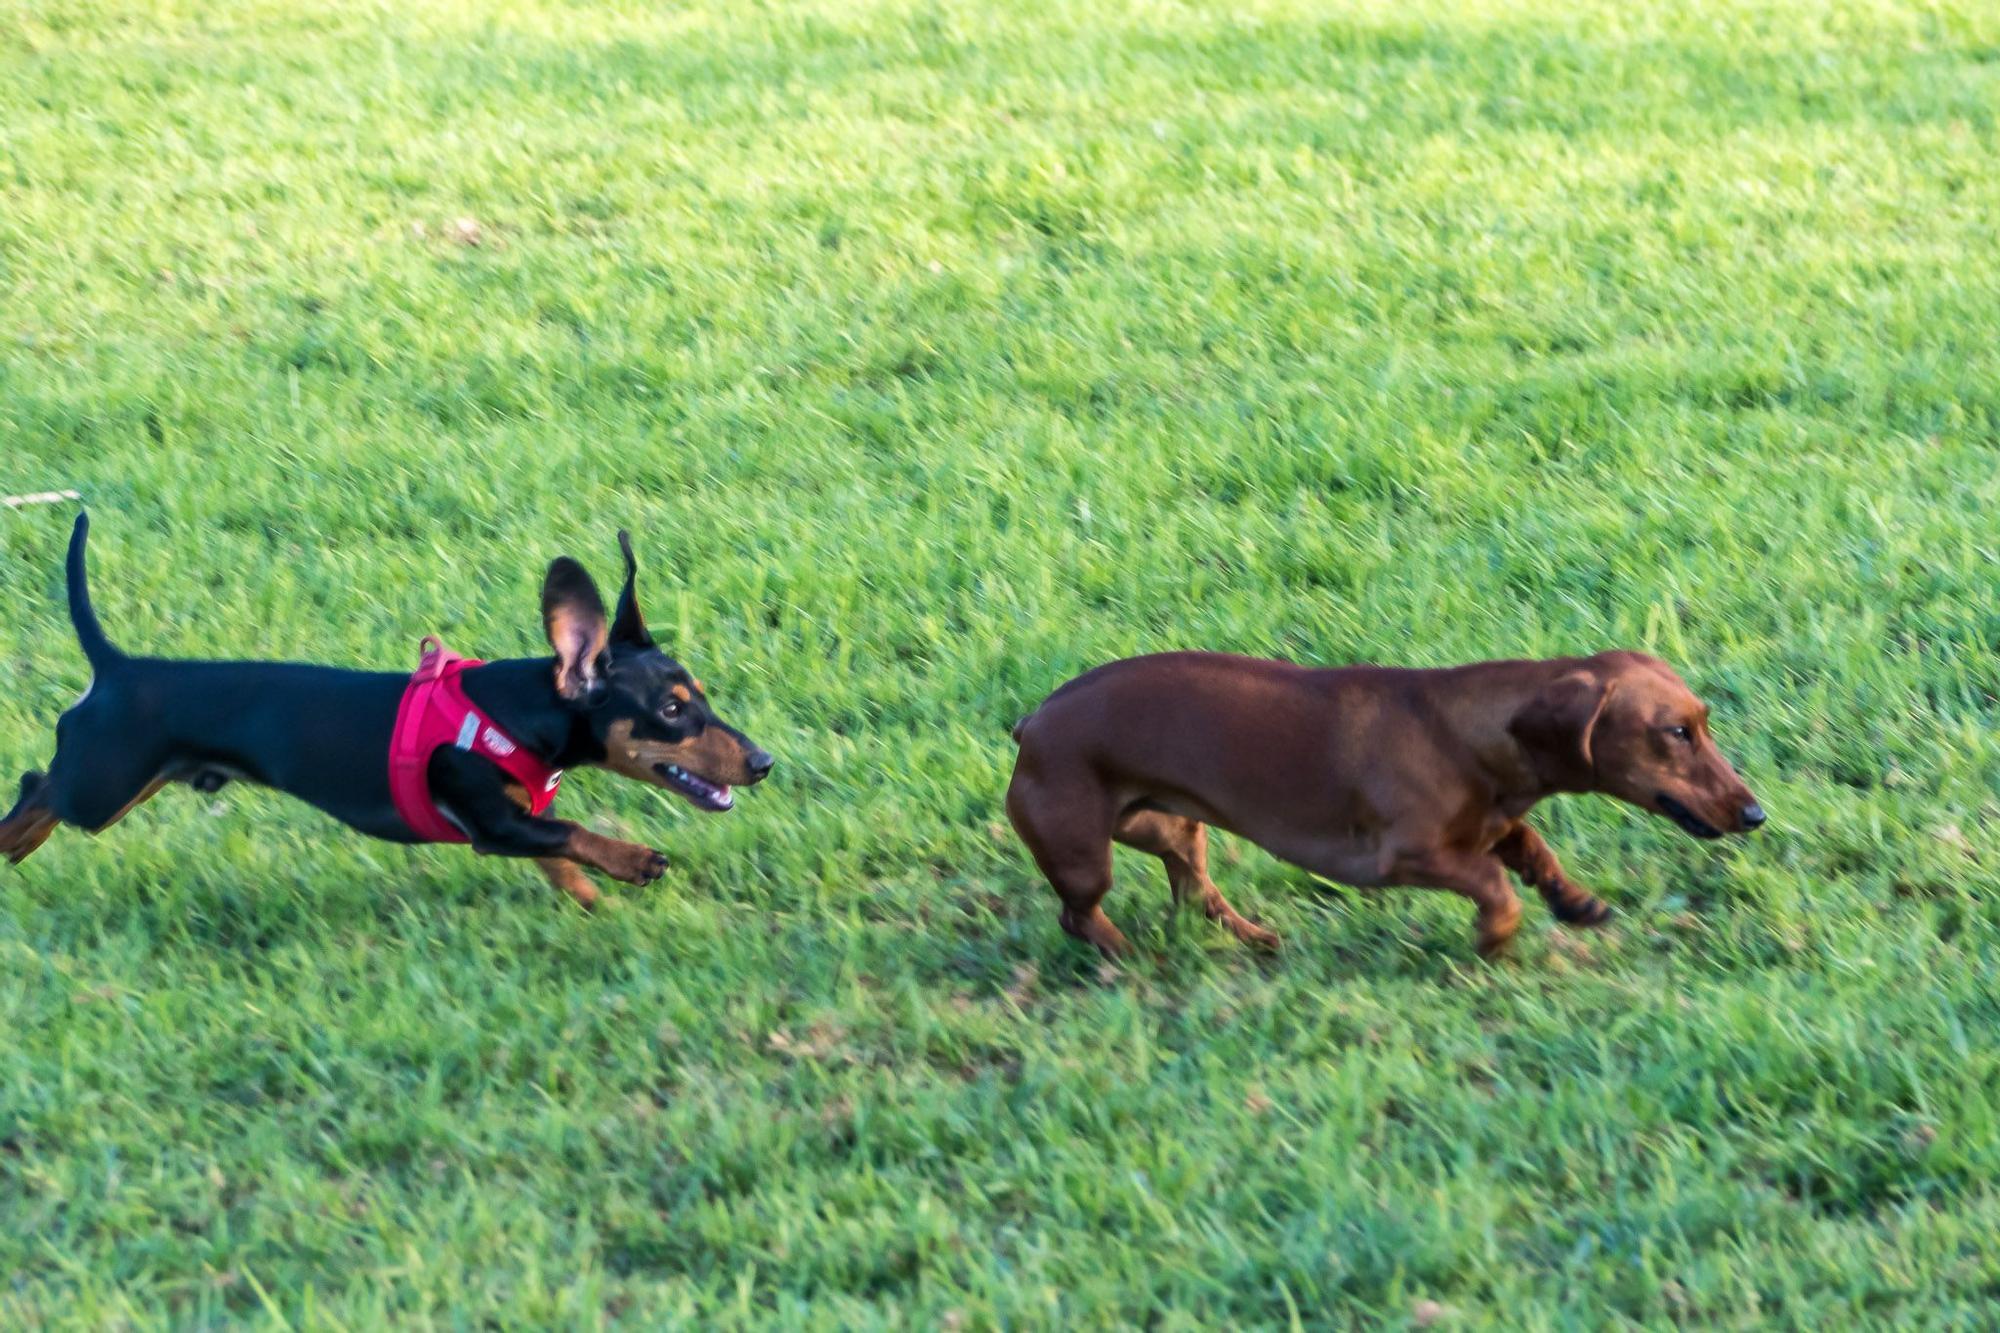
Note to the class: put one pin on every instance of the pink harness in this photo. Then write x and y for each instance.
(436, 713)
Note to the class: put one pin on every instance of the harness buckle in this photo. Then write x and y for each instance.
(431, 665)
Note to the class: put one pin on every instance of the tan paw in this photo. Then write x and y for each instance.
(635, 864)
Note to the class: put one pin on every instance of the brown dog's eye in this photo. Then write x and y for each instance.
(1680, 733)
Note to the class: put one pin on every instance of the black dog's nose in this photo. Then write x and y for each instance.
(759, 764)
(1753, 815)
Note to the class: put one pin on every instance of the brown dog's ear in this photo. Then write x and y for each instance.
(1556, 726)
(573, 617)
(629, 626)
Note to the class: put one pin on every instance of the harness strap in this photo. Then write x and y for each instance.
(436, 712)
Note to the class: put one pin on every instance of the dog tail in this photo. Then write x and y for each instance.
(81, 614)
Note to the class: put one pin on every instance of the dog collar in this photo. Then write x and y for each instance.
(434, 713)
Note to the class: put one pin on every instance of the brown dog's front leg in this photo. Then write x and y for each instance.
(1523, 852)
(1480, 878)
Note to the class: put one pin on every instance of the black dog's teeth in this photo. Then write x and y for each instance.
(713, 795)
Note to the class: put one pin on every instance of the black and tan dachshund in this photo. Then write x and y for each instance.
(609, 698)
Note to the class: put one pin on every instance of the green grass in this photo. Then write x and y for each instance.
(935, 352)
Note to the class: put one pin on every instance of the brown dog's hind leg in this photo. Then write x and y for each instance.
(1523, 852)
(1068, 832)
(1480, 878)
(1182, 846)
(31, 821)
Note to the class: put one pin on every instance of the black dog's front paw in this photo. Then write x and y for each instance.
(639, 865)
(627, 861)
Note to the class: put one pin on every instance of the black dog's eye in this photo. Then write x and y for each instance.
(1680, 733)
(673, 709)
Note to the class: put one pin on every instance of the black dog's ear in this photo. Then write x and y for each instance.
(630, 625)
(1557, 725)
(573, 617)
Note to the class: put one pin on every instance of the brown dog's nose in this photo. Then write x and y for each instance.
(759, 763)
(1753, 816)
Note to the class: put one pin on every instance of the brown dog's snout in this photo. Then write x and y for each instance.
(1740, 810)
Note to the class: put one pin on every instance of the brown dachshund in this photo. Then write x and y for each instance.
(1372, 776)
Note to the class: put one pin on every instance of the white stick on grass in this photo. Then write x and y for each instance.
(38, 498)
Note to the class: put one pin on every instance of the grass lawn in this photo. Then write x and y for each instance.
(934, 352)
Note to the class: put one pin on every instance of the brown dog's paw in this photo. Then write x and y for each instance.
(1096, 928)
(1257, 937)
(1585, 912)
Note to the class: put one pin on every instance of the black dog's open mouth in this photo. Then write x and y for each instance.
(1687, 818)
(705, 794)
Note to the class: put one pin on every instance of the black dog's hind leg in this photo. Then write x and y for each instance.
(94, 781)
(28, 825)
(93, 805)
(103, 768)
(476, 794)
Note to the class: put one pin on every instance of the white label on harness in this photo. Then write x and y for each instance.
(467, 730)
(497, 743)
